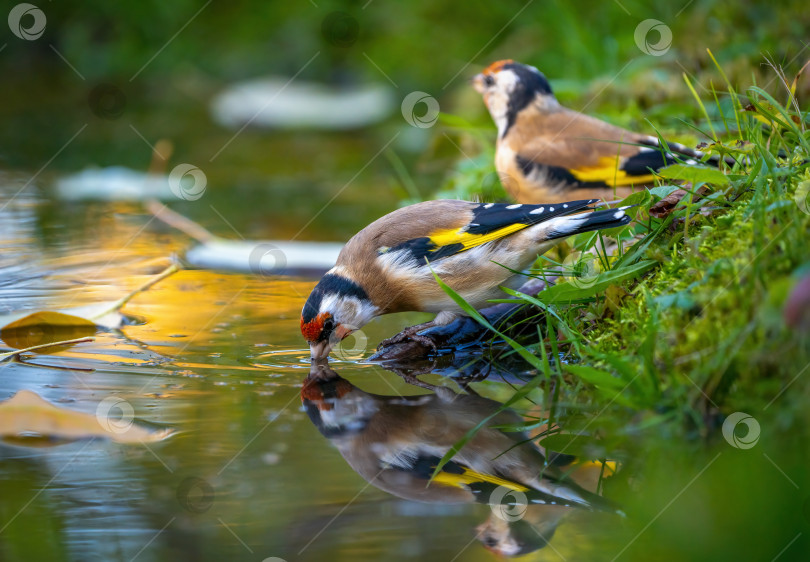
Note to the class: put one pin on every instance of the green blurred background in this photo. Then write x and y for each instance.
(169, 60)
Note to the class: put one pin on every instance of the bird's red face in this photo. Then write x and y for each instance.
(485, 81)
(314, 329)
(508, 87)
(322, 333)
(336, 307)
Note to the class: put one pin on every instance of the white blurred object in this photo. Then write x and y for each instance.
(115, 183)
(265, 257)
(284, 103)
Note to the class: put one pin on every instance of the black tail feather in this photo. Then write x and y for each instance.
(588, 222)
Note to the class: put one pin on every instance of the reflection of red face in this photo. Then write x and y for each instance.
(313, 330)
(324, 393)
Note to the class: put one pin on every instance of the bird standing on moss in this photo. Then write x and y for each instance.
(474, 248)
(548, 153)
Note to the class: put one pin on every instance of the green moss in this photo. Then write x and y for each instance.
(722, 290)
(704, 333)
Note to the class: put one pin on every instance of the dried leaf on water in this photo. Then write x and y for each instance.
(29, 329)
(26, 414)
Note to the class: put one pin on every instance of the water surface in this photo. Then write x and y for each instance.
(248, 476)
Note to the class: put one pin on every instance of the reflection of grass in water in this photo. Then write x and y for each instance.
(653, 367)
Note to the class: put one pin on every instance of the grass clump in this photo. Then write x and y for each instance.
(686, 321)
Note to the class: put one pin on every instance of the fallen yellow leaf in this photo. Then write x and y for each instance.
(45, 327)
(50, 318)
(28, 329)
(28, 414)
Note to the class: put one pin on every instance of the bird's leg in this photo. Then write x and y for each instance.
(449, 329)
(411, 333)
(410, 377)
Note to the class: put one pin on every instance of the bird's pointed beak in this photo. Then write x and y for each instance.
(477, 82)
(320, 371)
(319, 351)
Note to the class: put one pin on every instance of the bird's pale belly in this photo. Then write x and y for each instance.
(477, 297)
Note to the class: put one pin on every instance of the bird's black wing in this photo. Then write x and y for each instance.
(490, 221)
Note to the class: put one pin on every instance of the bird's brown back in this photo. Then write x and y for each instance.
(360, 254)
(568, 138)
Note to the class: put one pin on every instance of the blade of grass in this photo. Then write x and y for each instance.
(700, 103)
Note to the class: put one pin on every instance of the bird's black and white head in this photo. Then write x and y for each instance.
(506, 538)
(508, 87)
(336, 307)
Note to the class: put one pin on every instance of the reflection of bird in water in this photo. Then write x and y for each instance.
(531, 532)
(396, 443)
(508, 536)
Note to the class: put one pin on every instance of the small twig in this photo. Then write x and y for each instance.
(161, 154)
(178, 221)
(172, 269)
(4, 356)
(160, 157)
(22, 361)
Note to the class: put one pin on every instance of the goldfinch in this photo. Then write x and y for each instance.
(528, 534)
(473, 247)
(548, 153)
(396, 442)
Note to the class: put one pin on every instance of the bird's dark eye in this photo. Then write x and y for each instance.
(328, 326)
(489, 80)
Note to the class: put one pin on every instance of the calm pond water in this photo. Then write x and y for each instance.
(248, 475)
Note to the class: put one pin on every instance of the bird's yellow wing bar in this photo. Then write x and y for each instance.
(487, 222)
(609, 172)
(469, 476)
(450, 237)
